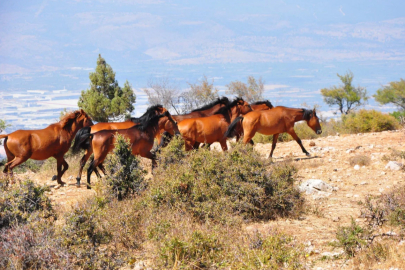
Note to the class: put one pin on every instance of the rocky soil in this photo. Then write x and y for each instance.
(329, 162)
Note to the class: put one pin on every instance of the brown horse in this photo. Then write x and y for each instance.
(53, 141)
(273, 122)
(257, 106)
(211, 129)
(156, 109)
(207, 110)
(141, 138)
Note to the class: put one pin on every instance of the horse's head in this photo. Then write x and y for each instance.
(85, 119)
(167, 123)
(313, 122)
(244, 107)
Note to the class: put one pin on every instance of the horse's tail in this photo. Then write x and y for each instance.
(230, 133)
(82, 139)
(3, 136)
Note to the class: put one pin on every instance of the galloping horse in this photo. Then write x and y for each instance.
(273, 122)
(207, 110)
(156, 109)
(53, 141)
(211, 129)
(141, 138)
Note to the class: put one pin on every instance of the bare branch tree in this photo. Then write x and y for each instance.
(199, 95)
(251, 92)
(162, 91)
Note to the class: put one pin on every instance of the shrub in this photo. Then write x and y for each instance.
(214, 185)
(368, 121)
(20, 201)
(400, 116)
(33, 247)
(124, 175)
(360, 160)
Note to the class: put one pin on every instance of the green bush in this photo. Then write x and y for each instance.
(19, 203)
(215, 185)
(124, 175)
(368, 121)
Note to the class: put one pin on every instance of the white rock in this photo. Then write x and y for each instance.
(356, 167)
(394, 166)
(312, 186)
(351, 150)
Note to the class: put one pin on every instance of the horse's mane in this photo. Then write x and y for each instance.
(225, 109)
(268, 103)
(150, 119)
(222, 100)
(69, 118)
(307, 114)
(149, 112)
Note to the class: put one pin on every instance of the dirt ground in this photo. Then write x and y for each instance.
(329, 162)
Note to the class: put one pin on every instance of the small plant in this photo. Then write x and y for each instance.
(351, 238)
(360, 160)
(124, 174)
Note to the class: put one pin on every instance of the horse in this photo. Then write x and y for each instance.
(53, 141)
(207, 110)
(156, 109)
(273, 122)
(141, 138)
(211, 129)
(256, 106)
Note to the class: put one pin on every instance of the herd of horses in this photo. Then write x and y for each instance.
(215, 122)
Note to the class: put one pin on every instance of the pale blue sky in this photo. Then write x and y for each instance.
(297, 47)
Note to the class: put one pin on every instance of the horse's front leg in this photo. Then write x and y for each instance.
(298, 140)
(151, 156)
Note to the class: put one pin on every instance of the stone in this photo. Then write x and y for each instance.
(356, 167)
(335, 219)
(351, 150)
(313, 186)
(394, 166)
(311, 143)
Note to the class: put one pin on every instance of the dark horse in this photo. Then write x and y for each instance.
(156, 109)
(273, 122)
(211, 129)
(53, 141)
(141, 138)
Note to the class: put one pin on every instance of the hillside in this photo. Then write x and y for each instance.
(325, 211)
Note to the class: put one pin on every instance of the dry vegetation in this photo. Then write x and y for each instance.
(213, 210)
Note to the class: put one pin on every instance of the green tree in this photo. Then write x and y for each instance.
(393, 93)
(346, 96)
(251, 92)
(106, 100)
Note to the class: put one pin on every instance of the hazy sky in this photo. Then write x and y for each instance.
(48, 48)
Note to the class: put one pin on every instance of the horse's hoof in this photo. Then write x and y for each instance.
(308, 154)
(88, 187)
(61, 183)
(54, 178)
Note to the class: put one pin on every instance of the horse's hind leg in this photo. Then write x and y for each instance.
(273, 145)
(224, 146)
(298, 140)
(82, 164)
(60, 163)
(14, 163)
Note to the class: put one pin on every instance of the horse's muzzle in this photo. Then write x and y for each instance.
(319, 131)
(177, 133)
